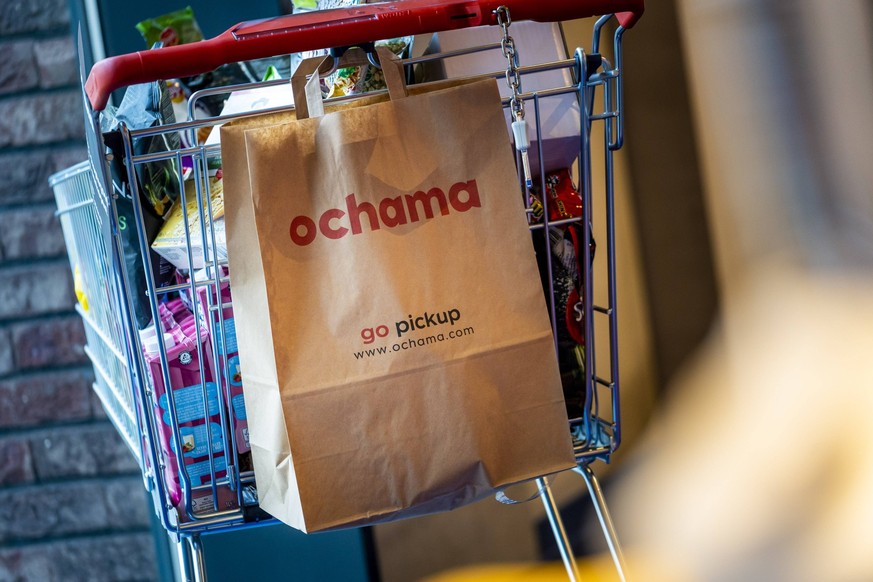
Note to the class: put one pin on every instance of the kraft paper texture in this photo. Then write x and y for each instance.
(397, 366)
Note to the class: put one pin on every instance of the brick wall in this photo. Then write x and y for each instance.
(72, 505)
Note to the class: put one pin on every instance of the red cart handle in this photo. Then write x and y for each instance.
(332, 28)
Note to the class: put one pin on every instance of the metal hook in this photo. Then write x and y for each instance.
(350, 56)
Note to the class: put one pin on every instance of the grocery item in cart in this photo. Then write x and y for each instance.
(145, 106)
(216, 311)
(564, 279)
(179, 27)
(561, 196)
(392, 346)
(190, 375)
(142, 107)
(182, 230)
(366, 77)
(251, 100)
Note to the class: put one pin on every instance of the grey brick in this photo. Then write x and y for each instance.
(18, 16)
(79, 507)
(16, 462)
(19, 71)
(25, 176)
(31, 233)
(56, 341)
(97, 407)
(120, 557)
(127, 505)
(42, 118)
(7, 363)
(56, 62)
(36, 290)
(50, 397)
(63, 158)
(80, 452)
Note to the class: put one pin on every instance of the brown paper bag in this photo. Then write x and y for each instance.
(393, 335)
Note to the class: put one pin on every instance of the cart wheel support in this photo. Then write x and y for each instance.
(558, 529)
(189, 551)
(603, 516)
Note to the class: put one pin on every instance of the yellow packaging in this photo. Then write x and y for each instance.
(172, 241)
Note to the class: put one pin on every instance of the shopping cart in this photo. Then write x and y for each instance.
(105, 227)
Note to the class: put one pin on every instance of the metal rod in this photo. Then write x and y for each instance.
(197, 557)
(76, 206)
(611, 146)
(603, 382)
(561, 222)
(605, 520)
(558, 529)
(69, 173)
(190, 556)
(109, 344)
(450, 54)
(586, 453)
(135, 345)
(185, 559)
(553, 312)
(585, 101)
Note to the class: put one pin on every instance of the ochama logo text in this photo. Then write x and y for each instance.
(336, 223)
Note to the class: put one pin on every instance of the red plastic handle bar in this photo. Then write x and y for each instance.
(332, 28)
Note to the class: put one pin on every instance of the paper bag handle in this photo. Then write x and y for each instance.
(392, 70)
(306, 80)
(306, 87)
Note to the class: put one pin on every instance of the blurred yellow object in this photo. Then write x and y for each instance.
(79, 288)
(591, 569)
(596, 569)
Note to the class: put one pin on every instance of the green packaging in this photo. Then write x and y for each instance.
(179, 27)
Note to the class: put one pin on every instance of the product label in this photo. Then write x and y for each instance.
(203, 504)
(244, 433)
(233, 373)
(239, 407)
(189, 403)
(203, 501)
(199, 472)
(230, 336)
(195, 440)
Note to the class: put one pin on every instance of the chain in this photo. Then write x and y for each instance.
(516, 103)
(513, 78)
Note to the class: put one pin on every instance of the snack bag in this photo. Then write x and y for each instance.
(179, 27)
(567, 276)
(143, 106)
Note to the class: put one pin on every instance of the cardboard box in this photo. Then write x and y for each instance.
(535, 43)
(172, 243)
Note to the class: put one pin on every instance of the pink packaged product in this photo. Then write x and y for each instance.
(187, 378)
(209, 306)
